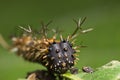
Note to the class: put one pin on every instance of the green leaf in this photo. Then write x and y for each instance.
(109, 71)
(71, 76)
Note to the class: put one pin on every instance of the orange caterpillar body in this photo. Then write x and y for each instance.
(30, 47)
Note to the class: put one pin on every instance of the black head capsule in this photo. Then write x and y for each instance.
(61, 58)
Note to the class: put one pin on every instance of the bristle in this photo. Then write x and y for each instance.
(75, 47)
(72, 62)
(27, 30)
(59, 56)
(14, 39)
(75, 63)
(63, 64)
(51, 67)
(68, 38)
(15, 49)
(28, 48)
(73, 37)
(52, 58)
(58, 64)
(55, 66)
(67, 59)
(44, 57)
(79, 21)
(61, 38)
(46, 63)
(87, 30)
(77, 50)
(75, 55)
(77, 59)
(54, 37)
(73, 41)
(43, 50)
(37, 55)
(59, 61)
(65, 54)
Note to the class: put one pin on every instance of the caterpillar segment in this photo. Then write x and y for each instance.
(58, 56)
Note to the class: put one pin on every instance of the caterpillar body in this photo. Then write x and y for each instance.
(58, 56)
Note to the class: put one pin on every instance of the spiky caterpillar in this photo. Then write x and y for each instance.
(57, 56)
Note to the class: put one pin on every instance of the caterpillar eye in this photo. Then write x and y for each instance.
(57, 50)
(66, 49)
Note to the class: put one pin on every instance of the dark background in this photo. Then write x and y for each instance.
(102, 15)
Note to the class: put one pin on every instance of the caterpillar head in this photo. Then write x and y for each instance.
(61, 56)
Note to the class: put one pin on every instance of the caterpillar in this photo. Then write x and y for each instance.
(57, 55)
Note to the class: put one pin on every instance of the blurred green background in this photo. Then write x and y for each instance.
(102, 15)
